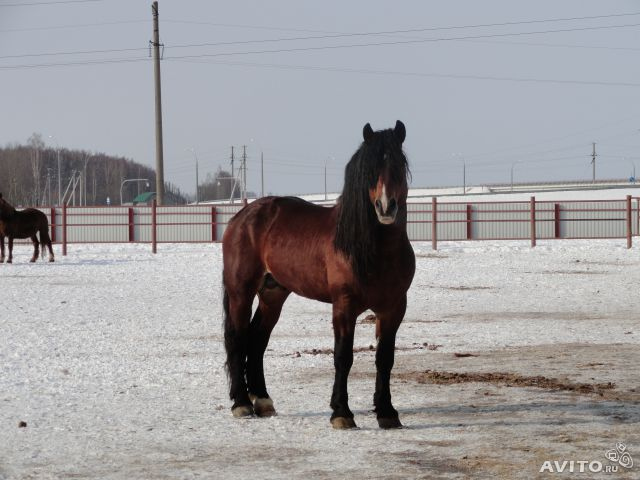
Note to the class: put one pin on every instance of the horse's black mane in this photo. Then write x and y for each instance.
(357, 222)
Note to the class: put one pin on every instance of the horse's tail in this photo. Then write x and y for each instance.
(45, 240)
(229, 336)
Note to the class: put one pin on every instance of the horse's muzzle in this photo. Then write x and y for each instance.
(387, 213)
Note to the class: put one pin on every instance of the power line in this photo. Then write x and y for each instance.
(55, 2)
(411, 30)
(415, 74)
(406, 42)
(63, 27)
(76, 52)
(330, 47)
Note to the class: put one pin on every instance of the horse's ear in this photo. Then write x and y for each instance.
(400, 132)
(367, 133)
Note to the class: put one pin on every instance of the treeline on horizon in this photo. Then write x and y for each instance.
(29, 177)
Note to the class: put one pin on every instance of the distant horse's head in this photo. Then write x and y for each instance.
(387, 170)
(6, 210)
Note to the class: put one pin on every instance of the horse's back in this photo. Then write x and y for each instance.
(285, 236)
(26, 223)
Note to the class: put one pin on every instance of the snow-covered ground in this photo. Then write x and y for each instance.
(113, 358)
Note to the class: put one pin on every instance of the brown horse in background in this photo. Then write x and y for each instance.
(23, 224)
(355, 255)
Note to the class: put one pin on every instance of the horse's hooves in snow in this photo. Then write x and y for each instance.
(342, 423)
(392, 422)
(264, 407)
(242, 411)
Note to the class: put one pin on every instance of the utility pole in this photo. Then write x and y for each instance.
(59, 180)
(156, 70)
(244, 174)
(325, 180)
(233, 174)
(464, 177)
(593, 161)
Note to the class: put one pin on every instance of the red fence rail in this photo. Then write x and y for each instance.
(435, 221)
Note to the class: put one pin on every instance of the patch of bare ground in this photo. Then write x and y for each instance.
(599, 371)
(572, 272)
(370, 348)
(490, 316)
(431, 255)
(459, 288)
(507, 380)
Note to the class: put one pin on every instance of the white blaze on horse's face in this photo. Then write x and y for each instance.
(384, 202)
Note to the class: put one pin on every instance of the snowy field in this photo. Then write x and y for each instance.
(113, 358)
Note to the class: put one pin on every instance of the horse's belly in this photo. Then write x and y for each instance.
(307, 279)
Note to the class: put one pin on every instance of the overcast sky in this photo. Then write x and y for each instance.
(500, 86)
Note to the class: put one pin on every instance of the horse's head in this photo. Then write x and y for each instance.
(388, 172)
(6, 210)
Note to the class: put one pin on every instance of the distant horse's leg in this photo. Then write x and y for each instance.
(272, 297)
(10, 244)
(237, 306)
(344, 322)
(36, 248)
(45, 240)
(386, 327)
(1, 248)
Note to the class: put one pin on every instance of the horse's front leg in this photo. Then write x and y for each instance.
(344, 322)
(1, 248)
(387, 324)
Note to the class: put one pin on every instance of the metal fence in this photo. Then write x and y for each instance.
(435, 221)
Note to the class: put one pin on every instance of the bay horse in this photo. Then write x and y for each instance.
(23, 224)
(355, 255)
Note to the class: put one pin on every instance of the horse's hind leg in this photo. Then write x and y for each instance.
(272, 296)
(36, 248)
(45, 241)
(1, 248)
(237, 306)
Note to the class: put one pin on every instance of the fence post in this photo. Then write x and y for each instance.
(131, 226)
(557, 220)
(629, 221)
(53, 224)
(214, 225)
(469, 224)
(154, 240)
(533, 222)
(434, 223)
(64, 229)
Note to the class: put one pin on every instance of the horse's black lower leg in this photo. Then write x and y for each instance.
(1, 248)
(386, 414)
(236, 334)
(36, 248)
(386, 328)
(272, 297)
(342, 416)
(10, 245)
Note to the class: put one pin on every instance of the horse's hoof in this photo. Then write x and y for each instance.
(33, 260)
(51, 259)
(264, 407)
(343, 423)
(391, 422)
(242, 411)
